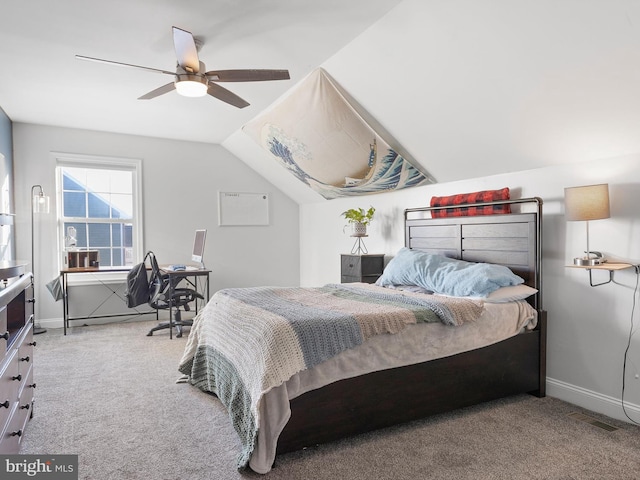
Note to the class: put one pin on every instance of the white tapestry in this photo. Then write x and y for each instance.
(319, 137)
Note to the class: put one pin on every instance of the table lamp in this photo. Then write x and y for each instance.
(590, 202)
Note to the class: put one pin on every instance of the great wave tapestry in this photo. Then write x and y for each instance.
(319, 137)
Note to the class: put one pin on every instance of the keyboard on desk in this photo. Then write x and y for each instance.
(180, 268)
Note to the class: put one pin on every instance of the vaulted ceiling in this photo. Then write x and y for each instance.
(43, 83)
(463, 88)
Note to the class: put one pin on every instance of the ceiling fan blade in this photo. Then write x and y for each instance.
(120, 64)
(158, 91)
(247, 75)
(186, 50)
(225, 95)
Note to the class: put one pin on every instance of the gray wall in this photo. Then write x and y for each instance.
(180, 188)
(7, 246)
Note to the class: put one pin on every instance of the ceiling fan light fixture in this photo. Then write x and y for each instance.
(191, 85)
(191, 79)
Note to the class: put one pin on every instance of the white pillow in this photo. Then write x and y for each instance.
(504, 294)
(510, 294)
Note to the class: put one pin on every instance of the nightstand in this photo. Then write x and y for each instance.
(361, 268)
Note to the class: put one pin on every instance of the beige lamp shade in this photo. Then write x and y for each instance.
(590, 202)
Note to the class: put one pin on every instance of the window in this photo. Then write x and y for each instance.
(98, 207)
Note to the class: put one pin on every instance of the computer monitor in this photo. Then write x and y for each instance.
(198, 247)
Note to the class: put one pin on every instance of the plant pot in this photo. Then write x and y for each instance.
(358, 229)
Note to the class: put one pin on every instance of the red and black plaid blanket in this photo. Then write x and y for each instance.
(470, 198)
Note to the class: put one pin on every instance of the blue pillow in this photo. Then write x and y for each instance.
(446, 275)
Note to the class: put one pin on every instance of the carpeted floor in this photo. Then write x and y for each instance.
(108, 393)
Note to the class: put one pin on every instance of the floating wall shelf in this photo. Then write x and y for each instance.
(607, 266)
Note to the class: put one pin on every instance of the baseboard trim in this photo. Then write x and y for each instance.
(49, 323)
(57, 322)
(594, 401)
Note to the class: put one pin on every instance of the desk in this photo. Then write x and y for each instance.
(96, 272)
(190, 275)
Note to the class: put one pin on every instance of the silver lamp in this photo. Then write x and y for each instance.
(39, 204)
(590, 202)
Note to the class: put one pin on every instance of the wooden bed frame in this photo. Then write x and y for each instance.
(389, 397)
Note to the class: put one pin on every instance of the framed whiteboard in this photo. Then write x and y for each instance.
(236, 208)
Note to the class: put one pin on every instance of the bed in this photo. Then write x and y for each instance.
(373, 384)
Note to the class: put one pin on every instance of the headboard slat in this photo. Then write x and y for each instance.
(496, 230)
(509, 244)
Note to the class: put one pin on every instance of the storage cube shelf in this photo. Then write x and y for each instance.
(81, 258)
(361, 268)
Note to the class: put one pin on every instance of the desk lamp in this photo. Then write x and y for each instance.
(590, 202)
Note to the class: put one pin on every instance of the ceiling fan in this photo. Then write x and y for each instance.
(191, 78)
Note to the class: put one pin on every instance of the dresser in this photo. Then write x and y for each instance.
(361, 268)
(16, 357)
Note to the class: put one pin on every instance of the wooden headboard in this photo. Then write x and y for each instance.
(513, 240)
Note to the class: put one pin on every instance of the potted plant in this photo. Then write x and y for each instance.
(358, 218)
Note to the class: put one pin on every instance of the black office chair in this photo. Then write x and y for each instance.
(163, 297)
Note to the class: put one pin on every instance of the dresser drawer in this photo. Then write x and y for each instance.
(25, 349)
(7, 405)
(11, 436)
(10, 376)
(4, 331)
(27, 386)
(9, 388)
(20, 413)
(25, 400)
(13, 419)
(29, 306)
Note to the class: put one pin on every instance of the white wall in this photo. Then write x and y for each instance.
(588, 327)
(468, 88)
(180, 188)
(471, 88)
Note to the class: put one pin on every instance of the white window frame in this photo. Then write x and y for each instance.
(91, 161)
